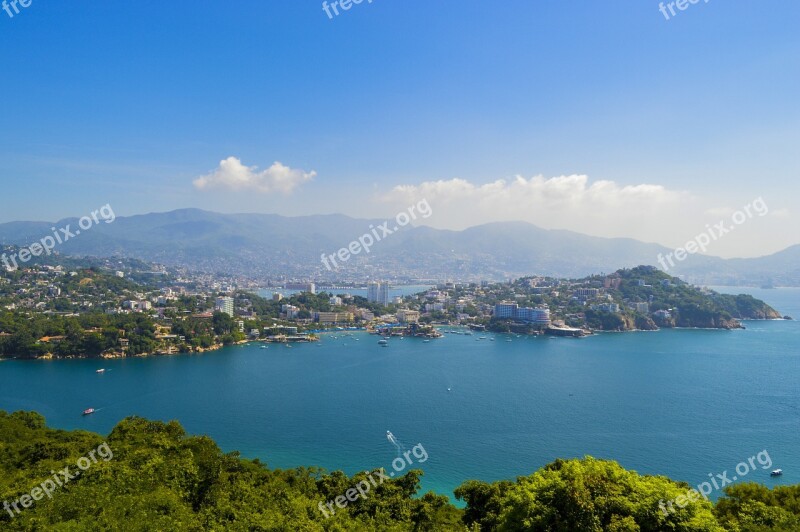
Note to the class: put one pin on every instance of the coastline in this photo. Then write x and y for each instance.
(217, 347)
(197, 351)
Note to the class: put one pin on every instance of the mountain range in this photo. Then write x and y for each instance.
(276, 247)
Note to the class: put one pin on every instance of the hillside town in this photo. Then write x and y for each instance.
(117, 308)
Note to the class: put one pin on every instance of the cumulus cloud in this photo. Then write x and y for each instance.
(784, 214)
(603, 208)
(234, 175)
(646, 212)
(572, 190)
(520, 196)
(720, 212)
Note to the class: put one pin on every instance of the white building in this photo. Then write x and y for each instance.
(378, 293)
(407, 316)
(607, 307)
(290, 311)
(538, 316)
(587, 293)
(224, 305)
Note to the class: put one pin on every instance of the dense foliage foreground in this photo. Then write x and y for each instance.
(160, 478)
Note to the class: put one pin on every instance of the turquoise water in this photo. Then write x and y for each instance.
(681, 403)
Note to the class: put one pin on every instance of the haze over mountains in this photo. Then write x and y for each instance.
(271, 247)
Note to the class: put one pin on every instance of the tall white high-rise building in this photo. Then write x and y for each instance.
(224, 305)
(378, 293)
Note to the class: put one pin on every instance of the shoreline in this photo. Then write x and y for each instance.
(200, 350)
(217, 347)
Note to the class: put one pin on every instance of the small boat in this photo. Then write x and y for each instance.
(425, 341)
(482, 338)
(88, 411)
(383, 342)
(264, 347)
(101, 370)
(776, 473)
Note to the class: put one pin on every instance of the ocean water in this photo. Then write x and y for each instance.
(681, 403)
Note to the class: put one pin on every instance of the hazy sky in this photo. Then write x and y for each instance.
(599, 117)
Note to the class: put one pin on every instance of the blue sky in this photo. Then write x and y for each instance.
(674, 124)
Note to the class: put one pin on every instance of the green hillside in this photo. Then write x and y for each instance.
(153, 476)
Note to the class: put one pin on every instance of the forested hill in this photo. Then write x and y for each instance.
(687, 305)
(153, 476)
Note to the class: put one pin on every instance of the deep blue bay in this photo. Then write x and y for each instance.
(682, 403)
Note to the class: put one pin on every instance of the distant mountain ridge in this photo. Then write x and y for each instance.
(270, 245)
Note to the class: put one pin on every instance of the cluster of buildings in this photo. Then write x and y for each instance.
(597, 299)
(141, 305)
(535, 316)
(56, 290)
(36, 288)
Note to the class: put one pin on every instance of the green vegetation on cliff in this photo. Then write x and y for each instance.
(642, 298)
(688, 305)
(160, 478)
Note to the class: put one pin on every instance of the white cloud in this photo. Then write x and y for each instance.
(563, 202)
(720, 212)
(572, 190)
(233, 175)
(646, 212)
